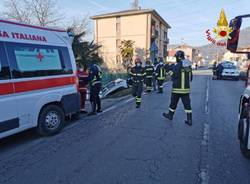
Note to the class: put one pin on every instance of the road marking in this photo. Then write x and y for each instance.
(116, 106)
(204, 176)
(129, 100)
(109, 109)
(204, 166)
(207, 98)
(205, 140)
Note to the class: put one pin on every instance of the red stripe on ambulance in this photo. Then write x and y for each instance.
(6, 88)
(33, 85)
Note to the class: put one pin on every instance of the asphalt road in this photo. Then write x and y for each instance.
(138, 146)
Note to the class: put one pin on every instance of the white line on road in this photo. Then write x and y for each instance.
(204, 175)
(205, 135)
(207, 98)
(109, 109)
(129, 100)
(116, 106)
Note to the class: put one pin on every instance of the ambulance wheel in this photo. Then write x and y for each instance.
(51, 120)
(244, 141)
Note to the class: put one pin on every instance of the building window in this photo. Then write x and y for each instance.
(153, 28)
(165, 51)
(118, 59)
(118, 43)
(118, 25)
(165, 36)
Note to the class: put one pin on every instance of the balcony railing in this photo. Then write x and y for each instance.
(166, 40)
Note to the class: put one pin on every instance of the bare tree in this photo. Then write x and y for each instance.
(78, 26)
(39, 12)
(45, 12)
(17, 11)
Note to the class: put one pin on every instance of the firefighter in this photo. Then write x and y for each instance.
(95, 77)
(82, 74)
(154, 76)
(137, 75)
(214, 70)
(160, 75)
(149, 69)
(181, 77)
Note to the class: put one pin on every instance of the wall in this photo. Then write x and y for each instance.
(135, 28)
(161, 28)
(131, 28)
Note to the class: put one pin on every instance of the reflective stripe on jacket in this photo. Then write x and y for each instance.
(137, 74)
(182, 77)
(160, 72)
(149, 69)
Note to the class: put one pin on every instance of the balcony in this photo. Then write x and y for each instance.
(166, 40)
(155, 33)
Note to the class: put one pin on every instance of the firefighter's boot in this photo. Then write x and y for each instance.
(189, 119)
(93, 106)
(168, 115)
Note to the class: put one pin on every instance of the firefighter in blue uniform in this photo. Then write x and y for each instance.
(137, 75)
(181, 77)
(160, 75)
(149, 69)
(95, 77)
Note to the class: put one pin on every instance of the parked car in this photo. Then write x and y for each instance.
(230, 72)
(38, 83)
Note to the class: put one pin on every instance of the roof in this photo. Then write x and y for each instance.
(24, 33)
(31, 26)
(132, 12)
(171, 53)
(184, 46)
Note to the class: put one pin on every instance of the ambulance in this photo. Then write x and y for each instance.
(234, 44)
(38, 83)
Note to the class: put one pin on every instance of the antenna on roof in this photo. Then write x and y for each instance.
(135, 5)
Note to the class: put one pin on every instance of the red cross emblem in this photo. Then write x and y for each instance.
(39, 56)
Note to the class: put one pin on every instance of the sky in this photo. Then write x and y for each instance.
(189, 19)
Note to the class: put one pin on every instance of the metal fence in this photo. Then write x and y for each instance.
(108, 77)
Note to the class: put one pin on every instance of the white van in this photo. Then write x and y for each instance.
(38, 83)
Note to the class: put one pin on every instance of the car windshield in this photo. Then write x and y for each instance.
(230, 67)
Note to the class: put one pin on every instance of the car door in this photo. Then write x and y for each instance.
(8, 110)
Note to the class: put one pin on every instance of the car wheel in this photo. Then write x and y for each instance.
(237, 78)
(244, 142)
(240, 129)
(51, 120)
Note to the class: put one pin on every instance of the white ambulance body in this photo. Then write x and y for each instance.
(38, 84)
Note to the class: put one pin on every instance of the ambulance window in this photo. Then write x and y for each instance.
(4, 68)
(33, 59)
(37, 60)
(4, 72)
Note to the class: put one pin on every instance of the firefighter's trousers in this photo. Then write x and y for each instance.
(149, 81)
(94, 96)
(137, 91)
(185, 98)
(160, 85)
